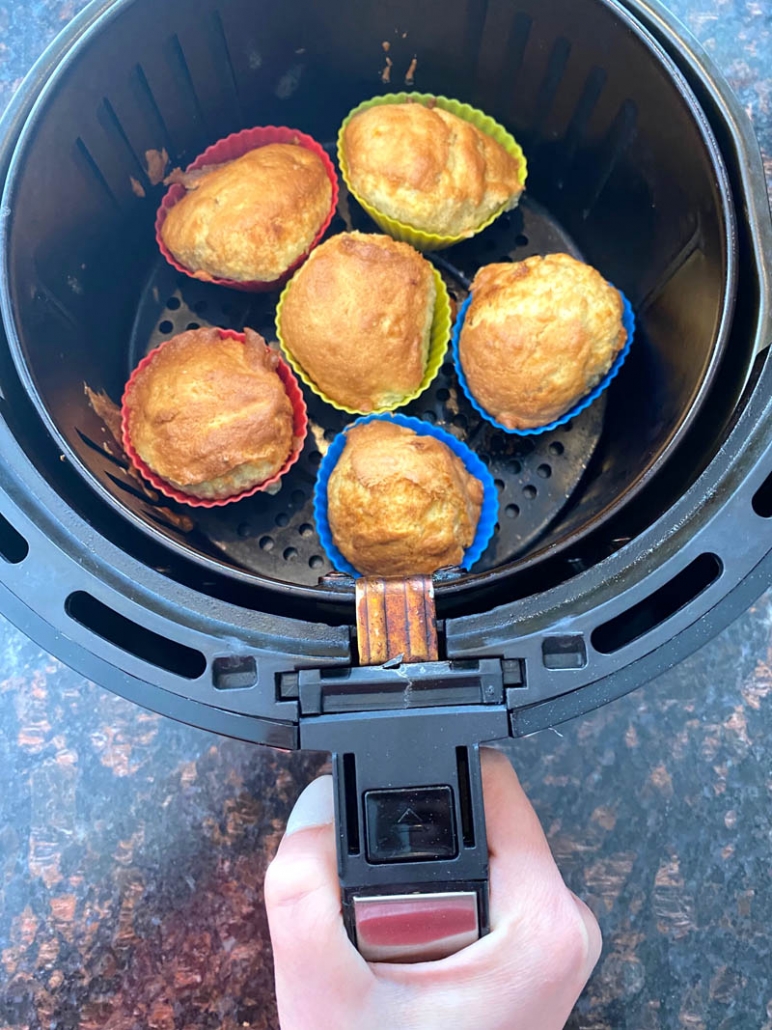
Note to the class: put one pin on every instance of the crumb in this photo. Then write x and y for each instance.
(386, 73)
(317, 432)
(386, 46)
(157, 160)
(136, 187)
(302, 50)
(410, 77)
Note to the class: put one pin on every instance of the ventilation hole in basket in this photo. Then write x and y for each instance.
(298, 497)
(568, 427)
(762, 499)
(244, 529)
(166, 326)
(447, 369)
(119, 462)
(266, 543)
(306, 529)
(522, 240)
(282, 519)
(130, 636)
(316, 561)
(659, 606)
(173, 303)
(88, 166)
(200, 307)
(13, 547)
(443, 394)
(429, 416)
(485, 458)
(314, 458)
(460, 421)
(499, 483)
(511, 511)
(192, 325)
(329, 435)
(544, 471)
(529, 492)
(496, 528)
(290, 553)
(556, 449)
(515, 467)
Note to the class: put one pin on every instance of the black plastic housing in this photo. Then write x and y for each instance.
(620, 157)
(106, 589)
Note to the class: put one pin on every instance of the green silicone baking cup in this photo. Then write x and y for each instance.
(438, 345)
(399, 230)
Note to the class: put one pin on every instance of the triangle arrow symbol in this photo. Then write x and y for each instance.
(409, 818)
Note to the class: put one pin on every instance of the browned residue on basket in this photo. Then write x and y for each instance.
(386, 73)
(109, 412)
(136, 187)
(156, 161)
(410, 77)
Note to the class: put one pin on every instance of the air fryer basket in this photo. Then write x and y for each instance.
(623, 171)
(607, 547)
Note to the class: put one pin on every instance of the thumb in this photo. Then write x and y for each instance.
(311, 949)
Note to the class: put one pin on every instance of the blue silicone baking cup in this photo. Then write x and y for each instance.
(628, 320)
(490, 506)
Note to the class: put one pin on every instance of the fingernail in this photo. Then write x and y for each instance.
(314, 807)
(593, 938)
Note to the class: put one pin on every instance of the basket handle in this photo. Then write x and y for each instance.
(405, 729)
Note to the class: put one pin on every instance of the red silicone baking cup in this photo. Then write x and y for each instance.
(228, 149)
(299, 427)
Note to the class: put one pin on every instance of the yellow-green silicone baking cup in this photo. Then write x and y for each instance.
(438, 345)
(399, 230)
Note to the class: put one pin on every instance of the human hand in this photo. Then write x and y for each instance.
(526, 974)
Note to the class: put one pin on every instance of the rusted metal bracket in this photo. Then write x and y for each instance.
(396, 620)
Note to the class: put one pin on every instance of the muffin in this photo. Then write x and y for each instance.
(537, 337)
(210, 415)
(251, 218)
(400, 503)
(356, 321)
(429, 168)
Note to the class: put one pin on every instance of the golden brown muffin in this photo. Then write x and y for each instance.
(211, 415)
(400, 504)
(429, 169)
(250, 219)
(358, 316)
(538, 336)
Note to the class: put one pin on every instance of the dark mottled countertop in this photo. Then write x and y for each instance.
(132, 849)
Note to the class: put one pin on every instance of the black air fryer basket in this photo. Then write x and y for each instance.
(625, 539)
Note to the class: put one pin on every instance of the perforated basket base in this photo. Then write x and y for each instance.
(274, 535)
